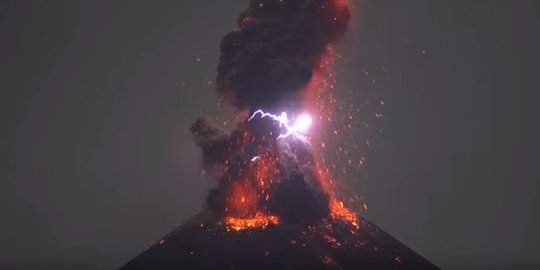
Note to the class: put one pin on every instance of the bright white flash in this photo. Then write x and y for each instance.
(301, 124)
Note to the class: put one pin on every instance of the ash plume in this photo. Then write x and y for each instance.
(272, 56)
(266, 63)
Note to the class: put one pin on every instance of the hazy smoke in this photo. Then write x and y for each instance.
(265, 64)
(299, 197)
(212, 140)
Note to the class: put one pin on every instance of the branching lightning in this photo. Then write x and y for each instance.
(301, 124)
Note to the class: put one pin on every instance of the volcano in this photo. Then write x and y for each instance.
(204, 242)
(272, 210)
(276, 205)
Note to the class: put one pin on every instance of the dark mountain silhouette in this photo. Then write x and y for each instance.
(203, 242)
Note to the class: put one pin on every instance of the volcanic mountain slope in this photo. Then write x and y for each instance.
(204, 242)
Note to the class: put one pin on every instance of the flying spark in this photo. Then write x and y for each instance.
(301, 124)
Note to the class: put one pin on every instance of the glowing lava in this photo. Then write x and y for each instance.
(259, 221)
(340, 212)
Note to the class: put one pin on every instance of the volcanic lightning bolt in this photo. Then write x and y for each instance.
(302, 123)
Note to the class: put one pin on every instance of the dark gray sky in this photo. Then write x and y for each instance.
(98, 96)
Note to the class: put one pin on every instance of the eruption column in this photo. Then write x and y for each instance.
(268, 62)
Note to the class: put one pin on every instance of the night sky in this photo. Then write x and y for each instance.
(97, 99)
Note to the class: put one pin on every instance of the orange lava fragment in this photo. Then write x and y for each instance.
(332, 241)
(259, 221)
(329, 261)
(339, 211)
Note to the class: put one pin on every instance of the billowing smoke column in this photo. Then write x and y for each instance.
(264, 67)
(271, 57)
